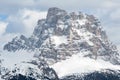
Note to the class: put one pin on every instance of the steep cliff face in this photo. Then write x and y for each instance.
(60, 37)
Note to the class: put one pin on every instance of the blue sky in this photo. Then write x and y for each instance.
(20, 16)
(3, 17)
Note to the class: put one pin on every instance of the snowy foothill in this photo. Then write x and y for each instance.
(10, 59)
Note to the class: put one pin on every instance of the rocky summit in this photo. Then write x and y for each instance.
(60, 36)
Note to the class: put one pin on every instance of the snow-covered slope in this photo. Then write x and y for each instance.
(62, 40)
(24, 63)
(78, 64)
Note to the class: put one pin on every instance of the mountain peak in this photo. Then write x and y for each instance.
(54, 14)
(67, 34)
(55, 9)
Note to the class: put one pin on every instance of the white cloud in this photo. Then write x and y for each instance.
(5, 37)
(109, 4)
(3, 26)
(13, 6)
(115, 15)
(25, 21)
(30, 19)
